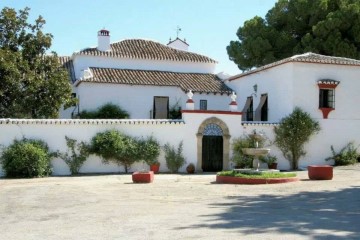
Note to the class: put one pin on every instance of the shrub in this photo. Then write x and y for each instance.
(239, 158)
(107, 111)
(27, 158)
(116, 147)
(79, 152)
(268, 159)
(346, 156)
(292, 133)
(174, 157)
(150, 150)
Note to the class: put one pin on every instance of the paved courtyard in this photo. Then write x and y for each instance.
(180, 207)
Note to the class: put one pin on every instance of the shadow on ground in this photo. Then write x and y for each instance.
(321, 215)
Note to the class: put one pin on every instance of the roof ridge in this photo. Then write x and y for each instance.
(146, 49)
(308, 57)
(146, 70)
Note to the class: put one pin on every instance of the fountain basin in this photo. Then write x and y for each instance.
(256, 151)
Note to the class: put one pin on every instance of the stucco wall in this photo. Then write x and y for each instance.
(334, 132)
(53, 132)
(138, 100)
(275, 82)
(306, 94)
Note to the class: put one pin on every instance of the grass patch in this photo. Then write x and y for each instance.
(256, 175)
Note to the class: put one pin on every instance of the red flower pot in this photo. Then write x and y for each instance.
(272, 166)
(143, 177)
(320, 172)
(155, 168)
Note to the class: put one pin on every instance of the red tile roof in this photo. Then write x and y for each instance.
(146, 49)
(197, 82)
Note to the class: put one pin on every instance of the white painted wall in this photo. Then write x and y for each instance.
(334, 132)
(53, 132)
(138, 100)
(82, 62)
(347, 95)
(295, 84)
(276, 82)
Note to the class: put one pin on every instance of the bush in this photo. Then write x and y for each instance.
(79, 153)
(150, 150)
(239, 158)
(116, 147)
(27, 158)
(174, 157)
(107, 111)
(292, 133)
(348, 155)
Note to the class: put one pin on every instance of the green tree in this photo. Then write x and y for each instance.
(32, 82)
(116, 147)
(107, 111)
(329, 27)
(292, 133)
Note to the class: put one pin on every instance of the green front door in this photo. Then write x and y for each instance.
(212, 153)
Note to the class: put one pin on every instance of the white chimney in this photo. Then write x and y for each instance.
(103, 40)
(178, 44)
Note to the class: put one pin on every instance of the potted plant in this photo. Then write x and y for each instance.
(150, 149)
(270, 160)
(190, 168)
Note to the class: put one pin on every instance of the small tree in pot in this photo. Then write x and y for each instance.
(150, 151)
(292, 133)
(116, 147)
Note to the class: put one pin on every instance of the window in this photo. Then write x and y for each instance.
(161, 107)
(261, 113)
(327, 98)
(327, 95)
(248, 110)
(203, 104)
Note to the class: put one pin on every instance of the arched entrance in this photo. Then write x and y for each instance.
(213, 145)
(212, 148)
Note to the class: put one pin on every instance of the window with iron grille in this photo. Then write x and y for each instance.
(203, 104)
(327, 98)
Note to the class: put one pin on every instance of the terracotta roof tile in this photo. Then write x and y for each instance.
(67, 63)
(146, 49)
(197, 82)
(306, 58)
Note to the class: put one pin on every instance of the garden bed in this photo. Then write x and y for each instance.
(232, 177)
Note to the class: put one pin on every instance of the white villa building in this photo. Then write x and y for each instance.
(144, 77)
(147, 78)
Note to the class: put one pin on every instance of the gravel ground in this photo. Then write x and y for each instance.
(180, 207)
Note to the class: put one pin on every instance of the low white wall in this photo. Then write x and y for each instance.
(333, 132)
(53, 132)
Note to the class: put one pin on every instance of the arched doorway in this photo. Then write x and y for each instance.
(212, 148)
(213, 145)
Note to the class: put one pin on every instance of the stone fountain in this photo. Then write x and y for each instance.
(256, 152)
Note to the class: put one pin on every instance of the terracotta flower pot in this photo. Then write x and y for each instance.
(190, 168)
(272, 166)
(143, 177)
(155, 168)
(320, 172)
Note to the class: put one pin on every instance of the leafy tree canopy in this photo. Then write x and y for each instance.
(293, 132)
(32, 83)
(328, 27)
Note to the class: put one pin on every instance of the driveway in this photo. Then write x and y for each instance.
(180, 207)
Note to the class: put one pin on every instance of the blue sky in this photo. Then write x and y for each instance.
(207, 25)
